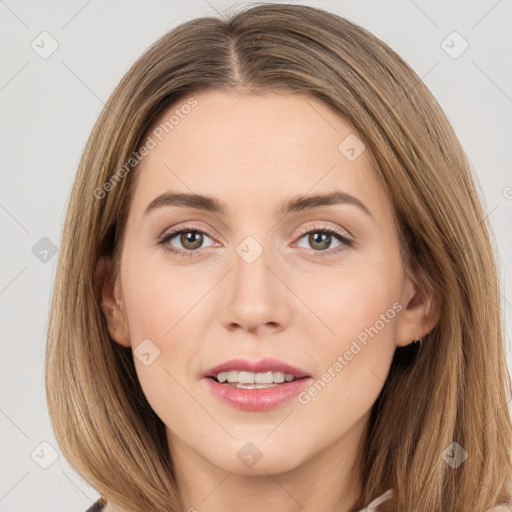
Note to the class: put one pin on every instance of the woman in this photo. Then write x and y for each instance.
(277, 286)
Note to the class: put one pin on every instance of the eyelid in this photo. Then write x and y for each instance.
(329, 227)
(184, 227)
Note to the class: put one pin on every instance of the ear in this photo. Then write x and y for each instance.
(112, 304)
(420, 309)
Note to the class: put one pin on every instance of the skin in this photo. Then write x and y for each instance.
(295, 302)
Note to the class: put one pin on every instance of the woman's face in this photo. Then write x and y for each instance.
(267, 275)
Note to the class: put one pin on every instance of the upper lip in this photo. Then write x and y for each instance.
(267, 364)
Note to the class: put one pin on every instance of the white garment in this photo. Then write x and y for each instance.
(377, 501)
(389, 494)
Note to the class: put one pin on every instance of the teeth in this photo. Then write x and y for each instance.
(242, 377)
(253, 386)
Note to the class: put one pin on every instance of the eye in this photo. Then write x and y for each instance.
(320, 238)
(190, 237)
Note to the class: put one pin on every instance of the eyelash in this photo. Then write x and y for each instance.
(346, 242)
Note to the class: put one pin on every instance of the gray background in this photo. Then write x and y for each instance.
(49, 106)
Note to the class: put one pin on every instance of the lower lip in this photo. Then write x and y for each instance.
(262, 399)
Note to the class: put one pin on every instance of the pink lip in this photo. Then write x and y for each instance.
(261, 399)
(267, 364)
(257, 399)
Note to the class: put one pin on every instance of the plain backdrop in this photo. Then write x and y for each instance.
(60, 62)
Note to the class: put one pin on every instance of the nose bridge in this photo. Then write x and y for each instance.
(252, 265)
(254, 297)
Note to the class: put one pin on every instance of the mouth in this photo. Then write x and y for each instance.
(264, 371)
(255, 386)
(251, 380)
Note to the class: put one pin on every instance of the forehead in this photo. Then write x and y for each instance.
(287, 124)
(245, 148)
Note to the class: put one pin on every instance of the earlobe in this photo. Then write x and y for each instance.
(111, 304)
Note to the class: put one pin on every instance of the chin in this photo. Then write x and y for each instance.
(259, 457)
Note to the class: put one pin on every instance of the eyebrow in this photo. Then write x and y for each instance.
(294, 204)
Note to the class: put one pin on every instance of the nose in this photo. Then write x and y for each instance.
(256, 298)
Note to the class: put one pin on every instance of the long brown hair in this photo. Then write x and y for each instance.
(454, 390)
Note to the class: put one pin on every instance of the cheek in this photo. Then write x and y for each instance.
(345, 305)
(160, 296)
(358, 324)
(164, 307)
